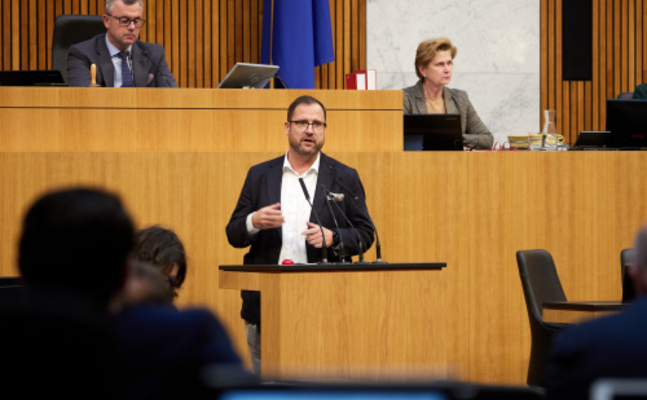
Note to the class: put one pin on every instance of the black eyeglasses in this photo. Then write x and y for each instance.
(303, 125)
(125, 21)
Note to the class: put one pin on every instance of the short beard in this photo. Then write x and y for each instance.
(298, 150)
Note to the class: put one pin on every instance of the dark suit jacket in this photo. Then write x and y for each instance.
(165, 351)
(263, 187)
(58, 341)
(614, 346)
(149, 64)
(640, 92)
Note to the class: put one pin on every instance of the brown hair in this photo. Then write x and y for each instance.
(304, 100)
(163, 249)
(427, 51)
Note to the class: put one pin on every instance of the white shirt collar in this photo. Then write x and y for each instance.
(314, 167)
(113, 50)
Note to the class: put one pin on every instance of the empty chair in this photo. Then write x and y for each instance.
(627, 257)
(540, 284)
(70, 30)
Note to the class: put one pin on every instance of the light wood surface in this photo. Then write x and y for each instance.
(573, 316)
(575, 312)
(349, 325)
(471, 210)
(203, 39)
(619, 63)
(108, 119)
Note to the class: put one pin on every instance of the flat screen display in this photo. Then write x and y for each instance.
(627, 122)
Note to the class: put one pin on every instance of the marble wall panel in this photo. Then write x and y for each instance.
(498, 53)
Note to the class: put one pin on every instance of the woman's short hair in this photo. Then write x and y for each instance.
(163, 249)
(427, 51)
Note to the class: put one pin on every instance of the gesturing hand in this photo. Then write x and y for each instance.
(313, 235)
(268, 217)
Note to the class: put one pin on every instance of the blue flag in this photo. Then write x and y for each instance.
(298, 34)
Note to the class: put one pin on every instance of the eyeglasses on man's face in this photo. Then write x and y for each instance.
(303, 125)
(125, 21)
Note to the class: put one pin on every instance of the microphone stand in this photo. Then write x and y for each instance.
(359, 240)
(341, 239)
(324, 248)
(378, 245)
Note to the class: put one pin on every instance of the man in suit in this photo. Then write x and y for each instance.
(121, 59)
(611, 347)
(640, 92)
(274, 217)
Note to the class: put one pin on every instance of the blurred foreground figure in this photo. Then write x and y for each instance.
(145, 285)
(162, 249)
(72, 257)
(613, 347)
(61, 340)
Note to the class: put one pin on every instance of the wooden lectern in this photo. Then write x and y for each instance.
(340, 321)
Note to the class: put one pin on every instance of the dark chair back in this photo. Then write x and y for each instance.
(540, 284)
(12, 291)
(70, 30)
(627, 256)
(626, 95)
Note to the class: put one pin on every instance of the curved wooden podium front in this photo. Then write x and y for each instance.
(343, 322)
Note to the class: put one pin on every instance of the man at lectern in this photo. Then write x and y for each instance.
(121, 59)
(275, 217)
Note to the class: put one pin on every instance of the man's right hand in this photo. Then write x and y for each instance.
(268, 217)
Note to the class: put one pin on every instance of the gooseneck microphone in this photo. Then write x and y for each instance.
(324, 248)
(341, 239)
(378, 245)
(337, 199)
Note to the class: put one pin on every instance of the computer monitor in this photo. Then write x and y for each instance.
(31, 78)
(245, 75)
(432, 132)
(627, 122)
(619, 389)
(592, 139)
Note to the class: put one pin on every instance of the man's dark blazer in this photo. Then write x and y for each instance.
(640, 92)
(263, 187)
(165, 351)
(150, 68)
(614, 346)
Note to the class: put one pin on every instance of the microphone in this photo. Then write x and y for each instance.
(378, 245)
(341, 239)
(324, 248)
(161, 73)
(359, 240)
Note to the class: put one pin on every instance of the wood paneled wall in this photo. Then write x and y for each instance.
(619, 63)
(203, 38)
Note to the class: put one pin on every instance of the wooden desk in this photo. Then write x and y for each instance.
(174, 120)
(472, 210)
(345, 321)
(573, 312)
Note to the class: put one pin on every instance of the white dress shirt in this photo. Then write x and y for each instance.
(296, 210)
